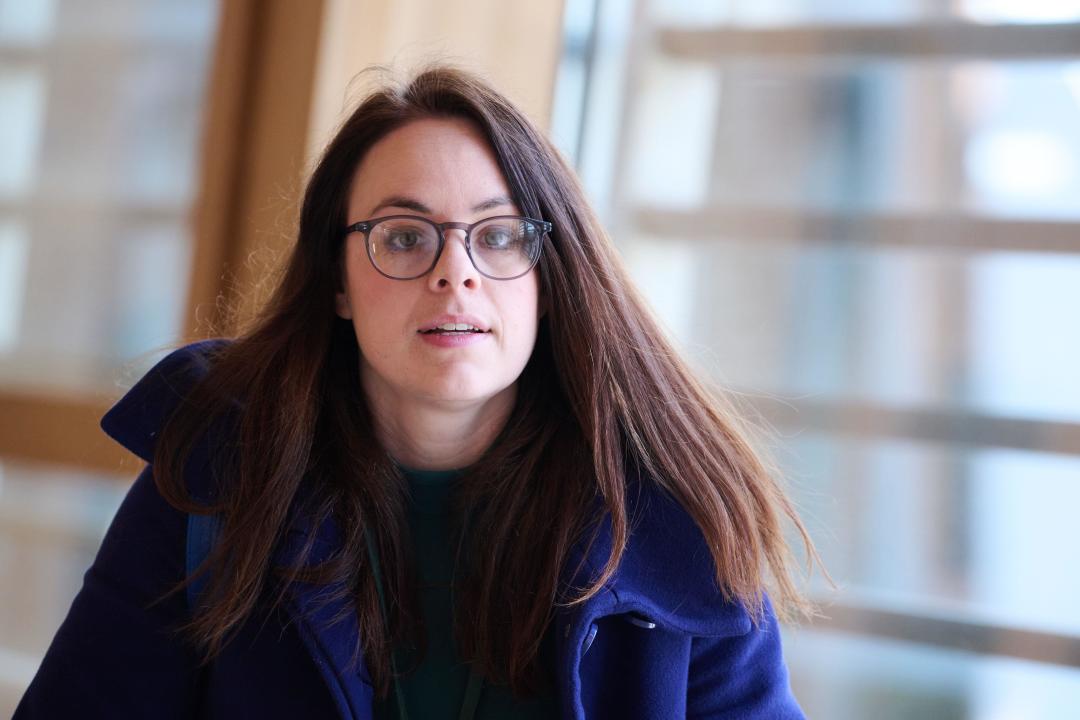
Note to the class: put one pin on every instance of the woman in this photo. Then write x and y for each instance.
(453, 470)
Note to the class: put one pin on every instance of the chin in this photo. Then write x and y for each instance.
(461, 391)
(459, 395)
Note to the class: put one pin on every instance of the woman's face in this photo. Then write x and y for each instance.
(443, 170)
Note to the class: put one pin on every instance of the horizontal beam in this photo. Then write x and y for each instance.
(99, 47)
(923, 230)
(119, 210)
(945, 40)
(950, 427)
(951, 633)
(59, 430)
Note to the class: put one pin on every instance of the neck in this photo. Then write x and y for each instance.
(435, 435)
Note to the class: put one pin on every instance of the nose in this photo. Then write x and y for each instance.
(454, 268)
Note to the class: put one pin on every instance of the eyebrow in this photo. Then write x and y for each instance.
(409, 203)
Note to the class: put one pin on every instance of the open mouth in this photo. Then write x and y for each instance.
(454, 329)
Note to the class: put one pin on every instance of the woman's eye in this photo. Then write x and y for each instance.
(498, 239)
(403, 240)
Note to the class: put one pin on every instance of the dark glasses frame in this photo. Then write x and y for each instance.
(366, 226)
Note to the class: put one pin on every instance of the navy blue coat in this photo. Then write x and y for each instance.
(658, 642)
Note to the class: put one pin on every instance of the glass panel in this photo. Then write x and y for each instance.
(843, 677)
(1022, 128)
(102, 114)
(1023, 339)
(22, 104)
(995, 139)
(781, 12)
(137, 273)
(788, 12)
(972, 535)
(51, 524)
(13, 252)
(987, 332)
(570, 89)
(1030, 11)
(24, 22)
(179, 22)
(680, 104)
(136, 150)
(924, 528)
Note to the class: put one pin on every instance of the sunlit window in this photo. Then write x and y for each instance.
(100, 119)
(101, 107)
(863, 221)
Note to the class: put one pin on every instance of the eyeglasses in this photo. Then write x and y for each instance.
(405, 247)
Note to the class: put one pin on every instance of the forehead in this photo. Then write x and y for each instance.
(443, 163)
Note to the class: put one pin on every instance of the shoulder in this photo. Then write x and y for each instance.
(668, 570)
(666, 583)
(734, 661)
(137, 418)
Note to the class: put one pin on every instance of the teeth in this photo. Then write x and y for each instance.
(457, 327)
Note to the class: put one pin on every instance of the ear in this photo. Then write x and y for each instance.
(341, 305)
(341, 291)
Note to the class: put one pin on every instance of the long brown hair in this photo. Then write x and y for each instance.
(603, 390)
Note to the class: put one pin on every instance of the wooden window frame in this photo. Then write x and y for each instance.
(253, 147)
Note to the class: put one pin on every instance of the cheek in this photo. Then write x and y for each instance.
(523, 320)
(376, 312)
(372, 317)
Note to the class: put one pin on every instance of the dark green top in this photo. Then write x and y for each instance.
(436, 689)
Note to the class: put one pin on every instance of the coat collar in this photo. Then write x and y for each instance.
(140, 415)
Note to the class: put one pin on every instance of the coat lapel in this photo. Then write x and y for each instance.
(325, 616)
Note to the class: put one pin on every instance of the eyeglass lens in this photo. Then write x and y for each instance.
(501, 248)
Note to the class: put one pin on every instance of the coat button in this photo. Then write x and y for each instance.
(640, 620)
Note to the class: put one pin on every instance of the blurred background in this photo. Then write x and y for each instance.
(860, 218)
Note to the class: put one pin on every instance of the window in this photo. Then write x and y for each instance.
(102, 113)
(864, 220)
